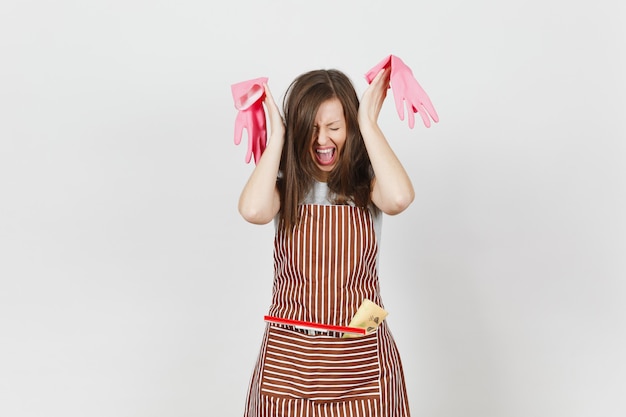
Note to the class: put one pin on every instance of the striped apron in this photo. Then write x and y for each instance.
(324, 268)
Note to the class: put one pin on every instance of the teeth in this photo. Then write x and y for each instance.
(324, 151)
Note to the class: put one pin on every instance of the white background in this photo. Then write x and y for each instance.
(130, 286)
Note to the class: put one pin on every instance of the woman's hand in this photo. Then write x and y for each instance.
(373, 98)
(259, 201)
(406, 91)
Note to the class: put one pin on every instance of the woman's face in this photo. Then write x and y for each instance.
(329, 136)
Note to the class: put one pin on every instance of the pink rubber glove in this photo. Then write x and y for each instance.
(248, 97)
(405, 88)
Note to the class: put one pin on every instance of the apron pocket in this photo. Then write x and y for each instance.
(320, 368)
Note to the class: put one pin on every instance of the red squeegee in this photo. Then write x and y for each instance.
(315, 326)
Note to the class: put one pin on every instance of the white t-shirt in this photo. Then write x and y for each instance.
(319, 195)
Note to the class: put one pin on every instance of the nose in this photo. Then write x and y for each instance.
(322, 137)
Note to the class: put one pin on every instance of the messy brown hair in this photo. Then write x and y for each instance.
(351, 179)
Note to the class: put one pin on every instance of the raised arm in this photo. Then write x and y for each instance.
(259, 201)
(392, 191)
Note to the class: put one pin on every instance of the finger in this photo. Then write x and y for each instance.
(386, 62)
(399, 100)
(411, 118)
(431, 111)
(387, 76)
(259, 138)
(374, 77)
(425, 119)
(270, 103)
(257, 150)
(272, 108)
(249, 151)
(239, 126)
(420, 96)
(251, 130)
(428, 106)
(382, 78)
(269, 98)
(379, 75)
(260, 124)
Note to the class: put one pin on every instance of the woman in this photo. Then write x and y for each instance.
(325, 178)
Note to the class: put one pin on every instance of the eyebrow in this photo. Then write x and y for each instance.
(329, 123)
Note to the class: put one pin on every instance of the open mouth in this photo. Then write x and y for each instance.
(325, 156)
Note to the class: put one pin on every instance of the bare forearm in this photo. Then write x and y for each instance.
(259, 201)
(392, 190)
